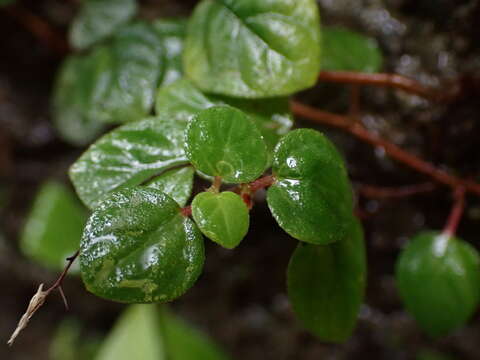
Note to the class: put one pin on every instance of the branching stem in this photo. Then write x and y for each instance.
(380, 192)
(392, 81)
(39, 299)
(395, 152)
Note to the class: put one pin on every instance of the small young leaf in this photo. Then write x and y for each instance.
(54, 227)
(439, 281)
(136, 335)
(326, 285)
(311, 198)
(223, 141)
(221, 217)
(176, 183)
(127, 156)
(172, 32)
(183, 342)
(344, 50)
(138, 248)
(99, 19)
(74, 92)
(182, 100)
(255, 48)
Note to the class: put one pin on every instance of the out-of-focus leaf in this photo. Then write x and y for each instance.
(326, 285)
(183, 342)
(439, 281)
(99, 19)
(136, 335)
(253, 48)
(137, 247)
(54, 227)
(74, 92)
(172, 32)
(113, 83)
(68, 342)
(344, 50)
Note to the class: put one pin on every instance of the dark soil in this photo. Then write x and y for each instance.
(240, 299)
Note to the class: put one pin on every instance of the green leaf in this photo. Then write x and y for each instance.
(222, 217)
(223, 141)
(69, 343)
(172, 32)
(113, 83)
(176, 183)
(253, 48)
(344, 50)
(326, 285)
(182, 100)
(99, 19)
(311, 198)
(136, 57)
(74, 92)
(136, 335)
(138, 248)
(54, 226)
(127, 156)
(183, 342)
(439, 281)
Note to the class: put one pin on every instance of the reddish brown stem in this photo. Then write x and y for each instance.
(456, 212)
(376, 192)
(57, 284)
(261, 183)
(186, 211)
(389, 80)
(392, 150)
(252, 187)
(39, 28)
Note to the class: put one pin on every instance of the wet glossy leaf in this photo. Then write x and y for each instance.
(311, 198)
(176, 183)
(439, 281)
(253, 48)
(172, 32)
(344, 50)
(326, 285)
(136, 335)
(74, 93)
(99, 19)
(184, 342)
(138, 248)
(224, 141)
(54, 227)
(127, 156)
(222, 217)
(182, 100)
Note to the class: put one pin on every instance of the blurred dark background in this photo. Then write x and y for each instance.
(240, 299)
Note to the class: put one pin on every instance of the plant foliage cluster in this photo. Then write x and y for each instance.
(208, 97)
